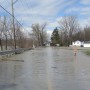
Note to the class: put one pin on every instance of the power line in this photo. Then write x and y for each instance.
(29, 6)
(11, 15)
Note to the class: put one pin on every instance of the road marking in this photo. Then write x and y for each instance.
(49, 81)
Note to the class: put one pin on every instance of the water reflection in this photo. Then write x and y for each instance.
(9, 71)
(46, 69)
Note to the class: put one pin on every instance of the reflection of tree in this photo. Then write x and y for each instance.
(4, 72)
(14, 71)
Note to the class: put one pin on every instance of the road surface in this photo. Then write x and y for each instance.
(46, 69)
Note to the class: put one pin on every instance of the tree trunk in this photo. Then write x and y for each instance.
(6, 42)
(1, 44)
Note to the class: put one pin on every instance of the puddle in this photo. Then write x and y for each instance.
(7, 86)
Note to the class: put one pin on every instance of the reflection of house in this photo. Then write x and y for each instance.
(87, 44)
(77, 43)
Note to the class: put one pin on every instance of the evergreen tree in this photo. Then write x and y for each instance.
(55, 37)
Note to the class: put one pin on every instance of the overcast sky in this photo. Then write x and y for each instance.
(29, 12)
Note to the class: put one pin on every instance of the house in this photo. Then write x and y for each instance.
(47, 44)
(86, 44)
(77, 43)
(81, 44)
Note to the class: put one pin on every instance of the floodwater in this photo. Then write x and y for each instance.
(46, 69)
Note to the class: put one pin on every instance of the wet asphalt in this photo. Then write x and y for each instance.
(46, 69)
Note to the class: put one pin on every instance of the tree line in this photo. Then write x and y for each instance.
(7, 35)
(40, 36)
(68, 31)
(37, 36)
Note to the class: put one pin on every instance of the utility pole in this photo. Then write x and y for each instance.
(13, 26)
(5, 31)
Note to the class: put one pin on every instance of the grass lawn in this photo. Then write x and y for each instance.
(87, 52)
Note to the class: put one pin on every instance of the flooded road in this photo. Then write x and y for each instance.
(46, 69)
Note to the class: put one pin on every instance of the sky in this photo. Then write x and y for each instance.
(29, 12)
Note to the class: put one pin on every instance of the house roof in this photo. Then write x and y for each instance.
(77, 41)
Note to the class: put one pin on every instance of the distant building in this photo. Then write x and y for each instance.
(57, 45)
(47, 44)
(77, 43)
(87, 44)
(81, 44)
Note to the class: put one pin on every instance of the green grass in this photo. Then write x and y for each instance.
(87, 52)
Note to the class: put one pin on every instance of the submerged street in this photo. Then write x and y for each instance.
(50, 68)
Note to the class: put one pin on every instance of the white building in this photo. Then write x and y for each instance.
(77, 43)
(47, 44)
(87, 44)
(81, 44)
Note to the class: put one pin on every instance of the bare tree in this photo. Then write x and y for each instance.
(68, 25)
(5, 31)
(87, 33)
(39, 31)
(1, 32)
(19, 35)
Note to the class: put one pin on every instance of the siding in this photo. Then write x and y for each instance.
(87, 45)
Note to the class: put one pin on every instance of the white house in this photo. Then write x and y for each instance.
(47, 44)
(77, 43)
(86, 44)
(81, 44)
